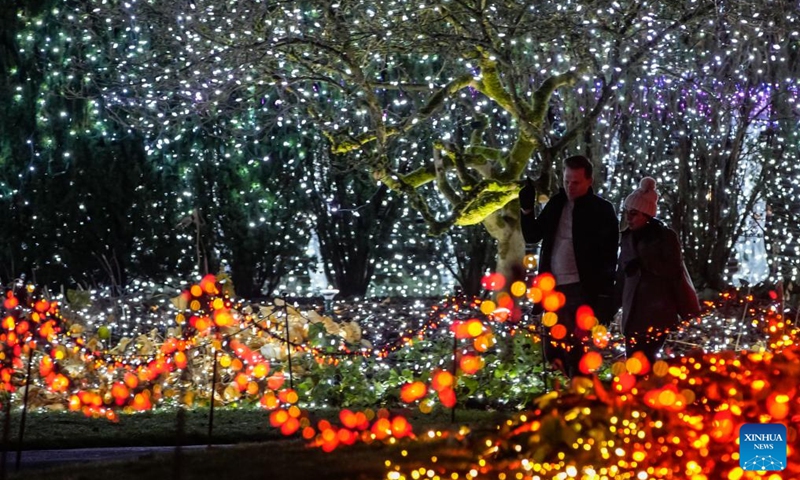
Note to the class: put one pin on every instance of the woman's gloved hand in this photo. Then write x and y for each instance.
(633, 267)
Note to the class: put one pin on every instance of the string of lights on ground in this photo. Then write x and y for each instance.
(678, 418)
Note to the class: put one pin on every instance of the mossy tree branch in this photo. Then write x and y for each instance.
(441, 180)
(459, 161)
(479, 198)
(341, 144)
(529, 139)
(500, 171)
(491, 85)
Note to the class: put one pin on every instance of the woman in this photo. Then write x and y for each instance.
(652, 287)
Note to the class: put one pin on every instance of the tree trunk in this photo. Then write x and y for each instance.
(503, 226)
(473, 253)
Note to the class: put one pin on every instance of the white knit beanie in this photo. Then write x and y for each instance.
(644, 198)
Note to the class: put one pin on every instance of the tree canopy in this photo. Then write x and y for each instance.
(451, 103)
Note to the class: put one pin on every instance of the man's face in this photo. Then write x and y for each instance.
(576, 183)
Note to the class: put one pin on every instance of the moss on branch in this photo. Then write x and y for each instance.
(417, 201)
(464, 176)
(340, 146)
(541, 97)
(531, 124)
(476, 205)
(420, 176)
(487, 153)
(348, 144)
(519, 157)
(492, 86)
(486, 198)
(459, 160)
(426, 174)
(438, 98)
(484, 205)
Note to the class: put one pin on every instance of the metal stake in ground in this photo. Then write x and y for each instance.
(453, 372)
(213, 387)
(741, 323)
(31, 351)
(6, 434)
(540, 328)
(797, 314)
(288, 344)
(180, 428)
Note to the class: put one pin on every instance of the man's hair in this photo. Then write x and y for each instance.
(577, 162)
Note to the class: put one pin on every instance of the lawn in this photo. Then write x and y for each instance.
(55, 430)
(252, 448)
(278, 460)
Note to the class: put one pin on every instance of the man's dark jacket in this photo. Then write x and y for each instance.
(595, 238)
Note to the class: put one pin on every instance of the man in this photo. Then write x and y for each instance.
(579, 232)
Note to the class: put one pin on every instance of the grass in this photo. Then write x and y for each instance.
(54, 430)
(259, 452)
(277, 460)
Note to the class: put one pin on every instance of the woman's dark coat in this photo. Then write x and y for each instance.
(651, 282)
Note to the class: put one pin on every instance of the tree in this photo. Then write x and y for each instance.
(473, 254)
(714, 124)
(72, 185)
(93, 203)
(242, 208)
(451, 101)
(354, 218)
(366, 74)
